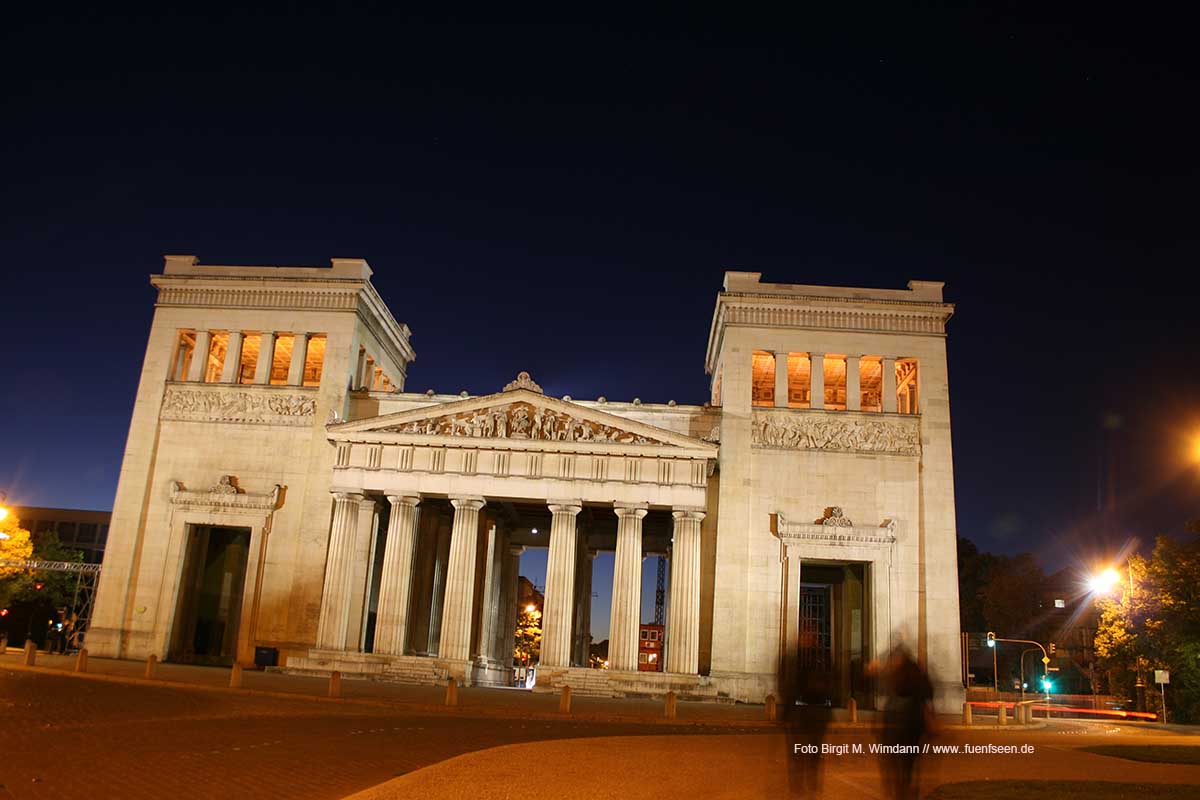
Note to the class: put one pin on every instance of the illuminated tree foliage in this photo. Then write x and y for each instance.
(527, 646)
(16, 585)
(1160, 622)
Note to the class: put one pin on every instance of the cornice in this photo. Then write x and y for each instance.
(893, 316)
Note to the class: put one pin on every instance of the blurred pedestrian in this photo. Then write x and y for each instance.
(807, 715)
(907, 721)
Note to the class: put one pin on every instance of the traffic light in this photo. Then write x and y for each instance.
(991, 639)
(1053, 647)
(38, 585)
(3, 612)
(1046, 684)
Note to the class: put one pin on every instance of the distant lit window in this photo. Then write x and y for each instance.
(642, 658)
(652, 658)
(314, 358)
(1059, 603)
(645, 634)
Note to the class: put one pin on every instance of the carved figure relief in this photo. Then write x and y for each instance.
(521, 421)
(232, 405)
(834, 518)
(800, 431)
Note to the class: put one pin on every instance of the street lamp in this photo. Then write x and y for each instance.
(1103, 584)
(3, 511)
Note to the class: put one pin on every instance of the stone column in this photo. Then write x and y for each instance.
(853, 383)
(585, 615)
(512, 577)
(490, 611)
(333, 623)
(781, 380)
(364, 541)
(816, 380)
(266, 357)
(395, 584)
(627, 588)
(299, 354)
(359, 369)
(231, 369)
(455, 642)
(889, 384)
(438, 596)
(199, 363)
(683, 623)
(560, 584)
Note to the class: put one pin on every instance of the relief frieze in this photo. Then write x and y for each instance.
(221, 404)
(836, 431)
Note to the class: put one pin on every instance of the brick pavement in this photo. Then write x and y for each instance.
(62, 736)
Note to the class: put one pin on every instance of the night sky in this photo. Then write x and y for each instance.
(563, 199)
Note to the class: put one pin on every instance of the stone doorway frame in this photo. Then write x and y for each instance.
(225, 506)
(834, 539)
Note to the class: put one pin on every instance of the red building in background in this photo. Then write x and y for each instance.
(650, 648)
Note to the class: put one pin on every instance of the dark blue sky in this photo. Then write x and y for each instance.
(563, 198)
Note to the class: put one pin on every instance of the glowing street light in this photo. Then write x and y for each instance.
(1104, 582)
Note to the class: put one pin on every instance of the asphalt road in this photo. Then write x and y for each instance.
(66, 738)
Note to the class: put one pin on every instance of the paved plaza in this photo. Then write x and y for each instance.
(113, 734)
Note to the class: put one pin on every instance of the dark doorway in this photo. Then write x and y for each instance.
(835, 629)
(210, 595)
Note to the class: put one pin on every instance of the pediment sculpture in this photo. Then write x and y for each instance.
(520, 420)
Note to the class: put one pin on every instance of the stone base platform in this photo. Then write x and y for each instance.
(401, 669)
(614, 683)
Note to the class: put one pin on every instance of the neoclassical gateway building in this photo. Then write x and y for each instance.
(280, 488)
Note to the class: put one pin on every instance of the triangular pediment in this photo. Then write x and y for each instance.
(522, 414)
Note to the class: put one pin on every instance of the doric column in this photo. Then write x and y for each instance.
(560, 584)
(364, 551)
(199, 363)
(490, 609)
(683, 624)
(266, 357)
(816, 380)
(626, 614)
(299, 354)
(395, 583)
(333, 623)
(889, 384)
(512, 577)
(853, 383)
(231, 369)
(437, 597)
(455, 641)
(585, 636)
(781, 379)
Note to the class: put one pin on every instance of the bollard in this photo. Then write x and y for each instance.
(3, 643)
(235, 676)
(669, 706)
(1003, 712)
(772, 709)
(81, 660)
(1022, 713)
(151, 666)
(30, 653)
(451, 692)
(966, 714)
(335, 684)
(852, 707)
(564, 701)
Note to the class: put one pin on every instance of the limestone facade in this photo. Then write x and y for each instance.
(807, 508)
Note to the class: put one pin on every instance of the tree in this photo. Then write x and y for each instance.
(973, 570)
(1158, 620)
(19, 585)
(527, 646)
(1011, 597)
(15, 545)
